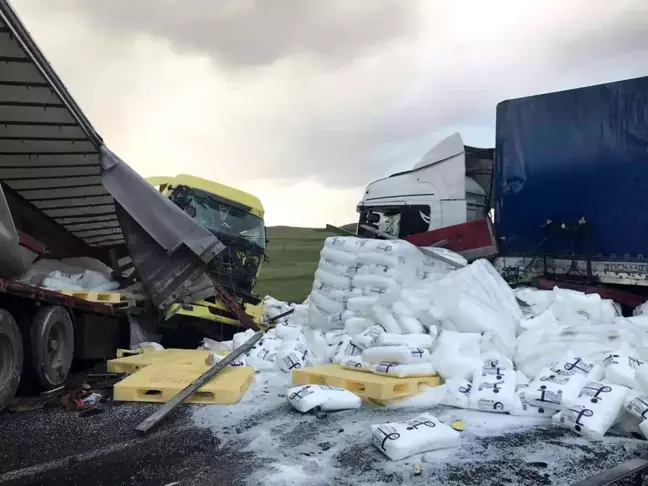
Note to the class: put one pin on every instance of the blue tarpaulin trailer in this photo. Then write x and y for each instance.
(571, 179)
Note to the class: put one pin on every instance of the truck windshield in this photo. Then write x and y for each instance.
(220, 215)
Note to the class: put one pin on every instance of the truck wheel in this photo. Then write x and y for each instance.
(52, 346)
(11, 357)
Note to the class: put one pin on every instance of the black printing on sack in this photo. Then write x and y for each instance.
(579, 366)
(385, 367)
(415, 424)
(303, 392)
(639, 405)
(417, 352)
(549, 396)
(495, 387)
(388, 433)
(465, 389)
(594, 390)
(574, 415)
(292, 362)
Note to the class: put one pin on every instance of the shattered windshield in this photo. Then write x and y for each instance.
(220, 215)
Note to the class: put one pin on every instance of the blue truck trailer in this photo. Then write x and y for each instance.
(570, 187)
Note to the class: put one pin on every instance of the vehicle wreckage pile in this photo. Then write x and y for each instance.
(386, 308)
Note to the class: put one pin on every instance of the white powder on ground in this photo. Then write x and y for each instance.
(335, 447)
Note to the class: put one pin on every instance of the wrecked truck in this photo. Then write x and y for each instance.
(235, 217)
(65, 194)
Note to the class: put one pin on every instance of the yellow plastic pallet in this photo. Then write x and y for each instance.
(102, 297)
(161, 383)
(177, 357)
(368, 385)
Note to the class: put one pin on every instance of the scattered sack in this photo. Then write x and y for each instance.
(494, 360)
(636, 403)
(403, 370)
(457, 393)
(424, 433)
(594, 411)
(457, 354)
(306, 397)
(355, 363)
(240, 337)
(283, 331)
(416, 340)
(572, 364)
(522, 407)
(213, 345)
(620, 367)
(553, 390)
(356, 325)
(493, 390)
(292, 355)
(395, 354)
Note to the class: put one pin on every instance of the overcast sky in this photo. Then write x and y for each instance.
(304, 102)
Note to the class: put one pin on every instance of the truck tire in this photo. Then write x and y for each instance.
(51, 346)
(11, 358)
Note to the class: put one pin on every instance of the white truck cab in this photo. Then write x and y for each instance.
(450, 185)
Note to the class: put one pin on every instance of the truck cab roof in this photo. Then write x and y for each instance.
(227, 192)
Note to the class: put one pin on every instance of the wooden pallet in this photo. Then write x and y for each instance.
(102, 297)
(160, 383)
(175, 357)
(368, 385)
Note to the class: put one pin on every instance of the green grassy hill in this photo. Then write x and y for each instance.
(293, 254)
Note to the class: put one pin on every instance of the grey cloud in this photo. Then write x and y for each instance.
(337, 120)
(257, 32)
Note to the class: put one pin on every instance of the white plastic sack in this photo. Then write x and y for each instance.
(457, 393)
(361, 304)
(386, 319)
(553, 390)
(544, 319)
(355, 363)
(339, 257)
(409, 324)
(620, 367)
(306, 397)
(351, 244)
(457, 355)
(369, 336)
(522, 407)
(424, 433)
(493, 393)
(496, 361)
(400, 370)
(326, 304)
(332, 280)
(240, 337)
(636, 403)
(572, 364)
(418, 340)
(212, 345)
(595, 409)
(292, 355)
(334, 337)
(283, 331)
(395, 354)
(356, 325)
(262, 359)
(316, 341)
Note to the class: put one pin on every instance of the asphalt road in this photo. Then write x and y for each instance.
(58, 447)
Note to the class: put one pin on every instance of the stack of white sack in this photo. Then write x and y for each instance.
(80, 274)
(361, 277)
(567, 320)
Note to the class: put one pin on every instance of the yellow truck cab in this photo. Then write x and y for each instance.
(236, 218)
